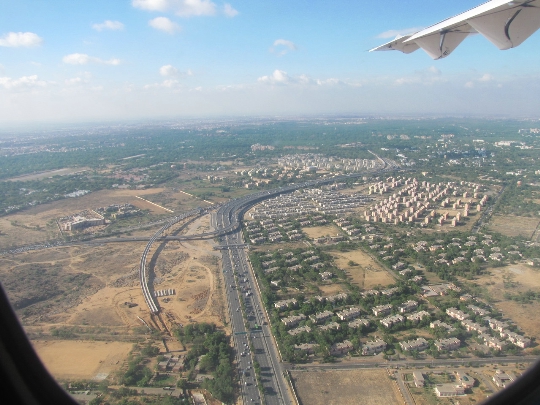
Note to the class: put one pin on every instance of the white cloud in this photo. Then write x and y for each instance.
(229, 10)
(278, 77)
(282, 46)
(83, 77)
(183, 8)
(151, 5)
(73, 81)
(20, 39)
(168, 83)
(399, 33)
(84, 59)
(168, 70)
(25, 81)
(427, 77)
(164, 24)
(108, 25)
(171, 71)
(486, 77)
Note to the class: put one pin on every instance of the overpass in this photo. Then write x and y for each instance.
(143, 277)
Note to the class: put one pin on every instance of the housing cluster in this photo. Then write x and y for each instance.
(410, 317)
(424, 202)
(325, 200)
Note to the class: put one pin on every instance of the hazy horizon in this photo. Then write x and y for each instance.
(171, 59)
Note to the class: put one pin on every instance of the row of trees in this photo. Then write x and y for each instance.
(217, 357)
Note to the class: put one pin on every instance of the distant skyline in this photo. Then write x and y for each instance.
(70, 61)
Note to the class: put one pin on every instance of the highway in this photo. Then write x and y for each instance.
(251, 333)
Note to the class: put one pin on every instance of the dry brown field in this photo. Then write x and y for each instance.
(367, 274)
(351, 387)
(523, 278)
(514, 225)
(50, 173)
(331, 289)
(37, 224)
(191, 268)
(319, 231)
(68, 359)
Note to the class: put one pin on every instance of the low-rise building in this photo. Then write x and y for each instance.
(321, 317)
(308, 348)
(350, 313)
(380, 310)
(297, 331)
(518, 340)
(473, 326)
(495, 324)
(418, 378)
(326, 275)
(399, 266)
(417, 316)
(457, 314)
(286, 303)
(465, 380)
(371, 348)
(503, 379)
(439, 324)
(449, 390)
(359, 322)
(337, 297)
(408, 306)
(392, 320)
(329, 326)
(293, 320)
(448, 344)
(477, 310)
(341, 348)
(417, 344)
(390, 291)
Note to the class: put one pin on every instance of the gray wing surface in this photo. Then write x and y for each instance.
(505, 24)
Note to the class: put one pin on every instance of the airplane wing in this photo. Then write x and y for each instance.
(504, 23)
(398, 45)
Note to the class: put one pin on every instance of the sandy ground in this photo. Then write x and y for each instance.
(367, 274)
(523, 278)
(82, 359)
(38, 224)
(49, 174)
(513, 225)
(318, 231)
(369, 387)
(521, 315)
(191, 268)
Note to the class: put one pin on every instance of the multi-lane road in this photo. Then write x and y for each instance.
(251, 332)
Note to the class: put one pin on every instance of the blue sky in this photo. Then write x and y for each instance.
(137, 59)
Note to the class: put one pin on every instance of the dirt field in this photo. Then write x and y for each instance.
(318, 231)
(67, 359)
(367, 274)
(519, 278)
(191, 268)
(521, 315)
(514, 226)
(370, 387)
(50, 173)
(38, 224)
